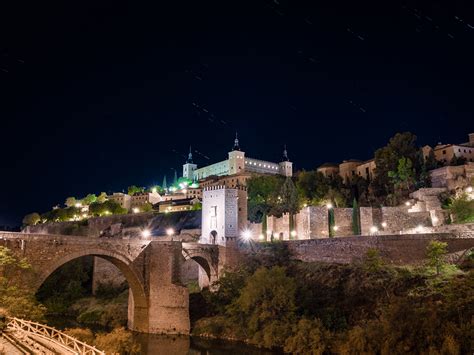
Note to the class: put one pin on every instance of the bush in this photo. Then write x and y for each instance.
(119, 341)
(309, 337)
(463, 209)
(83, 334)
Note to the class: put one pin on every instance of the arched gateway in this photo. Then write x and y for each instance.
(158, 302)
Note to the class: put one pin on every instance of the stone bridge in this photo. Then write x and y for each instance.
(158, 302)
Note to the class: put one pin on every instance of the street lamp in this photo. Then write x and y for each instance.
(170, 233)
(329, 205)
(146, 233)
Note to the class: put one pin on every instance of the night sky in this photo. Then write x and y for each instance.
(99, 96)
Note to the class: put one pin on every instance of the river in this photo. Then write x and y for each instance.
(156, 344)
(173, 345)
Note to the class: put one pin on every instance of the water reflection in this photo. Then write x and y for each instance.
(182, 345)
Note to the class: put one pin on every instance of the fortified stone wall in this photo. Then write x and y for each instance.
(343, 221)
(394, 249)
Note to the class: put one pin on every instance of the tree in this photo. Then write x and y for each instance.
(404, 176)
(132, 190)
(31, 219)
(108, 207)
(436, 251)
(146, 207)
(263, 193)
(90, 198)
(15, 297)
(312, 186)
(331, 222)
(101, 198)
(70, 202)
(165, 184)
(355, 218)
(309, 337)
(266, 306)
(402, 145)
(462, 207)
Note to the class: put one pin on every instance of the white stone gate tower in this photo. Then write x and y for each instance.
(224, 214)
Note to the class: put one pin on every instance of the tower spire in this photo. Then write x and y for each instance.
(285, 154)
(190, 156)
(236, 142)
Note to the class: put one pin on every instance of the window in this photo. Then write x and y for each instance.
(444, 152)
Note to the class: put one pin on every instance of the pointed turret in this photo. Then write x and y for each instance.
(285, 154)
(190, 156)
(165, 184)
(236, 142)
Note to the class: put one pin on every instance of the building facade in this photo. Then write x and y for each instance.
(237, 163)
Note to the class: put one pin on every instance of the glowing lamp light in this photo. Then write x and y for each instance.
(374, 229)
(146, 233)
(135, 210)
(384, 224)
(78, 205)
(185, 191)
(107, 212)
(329, 205)
(407, 203)
(170, 232)
(469, 189)
(261, 237)
(154, 190)
(246, 235)
(305, 205)
(269, 232)
(293, 234)
(434, 219)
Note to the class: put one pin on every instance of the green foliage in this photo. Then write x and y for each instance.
(288, 201)
(197, 206)
(462, 208)
(312, 186)
(387, 159)
(146, 207)
(82, 334)
(266, 306)
(71, 202)
(119, 341)
(90, 198)
(309, 337)
(355, 218)
(66, 285)
(108, 207)
(61, 214)
(31, 219)
(132, 190)
(372, 261)
(263, 193)
(15, 298)
(331, 222)
(404, 176)
(435, 252)
(101, 198)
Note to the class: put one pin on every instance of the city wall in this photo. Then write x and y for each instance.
(394, 249)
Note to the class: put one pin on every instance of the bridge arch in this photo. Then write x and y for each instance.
(138, 301)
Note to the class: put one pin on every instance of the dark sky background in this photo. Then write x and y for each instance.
(98, 96)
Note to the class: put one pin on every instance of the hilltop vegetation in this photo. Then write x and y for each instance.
(368, 308)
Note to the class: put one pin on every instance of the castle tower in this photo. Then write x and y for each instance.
(189, 167)
(286, 166)
(236, 158)
(224, 214)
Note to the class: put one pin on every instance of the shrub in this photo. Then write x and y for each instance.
(119, 341)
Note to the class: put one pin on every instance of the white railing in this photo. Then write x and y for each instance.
(53, 335)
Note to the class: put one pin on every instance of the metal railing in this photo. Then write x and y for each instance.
(53, 335)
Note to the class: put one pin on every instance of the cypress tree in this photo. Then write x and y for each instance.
(355, 218)
(331, 222)
(165, 184)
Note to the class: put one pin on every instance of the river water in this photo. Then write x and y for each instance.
(156, 344)
(173, 345)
